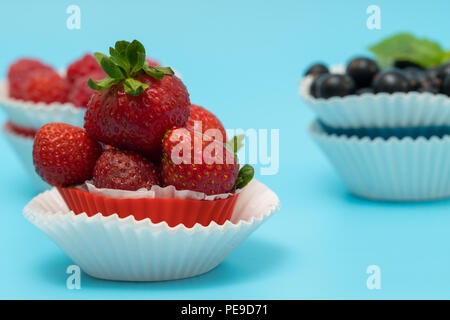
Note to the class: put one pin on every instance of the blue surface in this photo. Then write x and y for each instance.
(243, 60)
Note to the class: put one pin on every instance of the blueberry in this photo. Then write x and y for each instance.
(402, 64)
(432, 72)
(364, 90)
(312, 89)
(391, 81)
(443, 71)
(415, 76)
(362, 70)
(413, 70)
(445, 88)
(419, 80)
(334, 85)
(432, 90)
(316, 69)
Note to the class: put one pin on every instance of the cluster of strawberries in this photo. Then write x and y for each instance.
(140, 130)
(33, 80)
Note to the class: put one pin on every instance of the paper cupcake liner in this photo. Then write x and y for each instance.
(35, 115)
(130, 250)
(394, 169)
(173, 211)
(412, 109)
(155, 192)
(386, 133)
(23, 147)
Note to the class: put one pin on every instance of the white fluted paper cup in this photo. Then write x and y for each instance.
(381, 110)
(129, 250)
(23, 147)
(35, 114)
(394, 169)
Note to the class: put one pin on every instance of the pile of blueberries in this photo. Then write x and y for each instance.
(363, 75)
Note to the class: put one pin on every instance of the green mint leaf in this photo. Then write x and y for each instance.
(245, 175)
(111, 69)
(406, 47)
(136, 56)
(102, 84)
(236, 143)
(446, 57)
(134, 87)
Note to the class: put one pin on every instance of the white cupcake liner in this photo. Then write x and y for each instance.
(394, 169)
(155, 192)
(412, 109)
(23, 146)
(129, 250)
(34, 115)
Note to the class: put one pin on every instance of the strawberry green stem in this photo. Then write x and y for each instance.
(124, 65)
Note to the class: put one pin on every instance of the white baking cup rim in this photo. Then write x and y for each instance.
(35, 114)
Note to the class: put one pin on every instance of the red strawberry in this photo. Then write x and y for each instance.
(18, 73)
(84, 66)
(125, 170)
(207, 118)
(45, 86)
(80, 93)
(19, 130)
(192, 162)
(136, 103)
(64, 154)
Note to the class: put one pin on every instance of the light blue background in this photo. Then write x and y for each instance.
(243, 60)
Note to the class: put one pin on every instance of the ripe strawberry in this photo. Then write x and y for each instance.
(124, 170)
(136, 104)
(45, 86)
(191, 161)
(84, 66)
(80, 93)
(18, 73)
(207, 118)
(19, 130)
(64, 155)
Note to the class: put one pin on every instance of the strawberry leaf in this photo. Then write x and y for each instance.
(134, 87)
(119, 60)
(121, 48)
(245, 175)
(99, 57)
(152, 71)
(236, 143)
(111, 69)
(157, 72)
(136, 56)
(165, 70)
(125, 64)
(103, 84)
